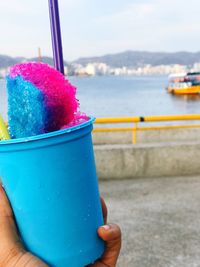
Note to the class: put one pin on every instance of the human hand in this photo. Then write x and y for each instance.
(13, 254)
(111, 234)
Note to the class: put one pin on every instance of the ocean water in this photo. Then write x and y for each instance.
(108, 96)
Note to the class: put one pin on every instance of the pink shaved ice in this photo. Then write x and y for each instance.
(60, 95)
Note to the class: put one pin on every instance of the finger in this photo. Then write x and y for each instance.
(12, 252)
(5, 208)
(28, 260)
(104, 210)
(111, 234)
(8, 231)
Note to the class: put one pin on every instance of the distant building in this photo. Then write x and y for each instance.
(90, 69)
(3, 72)
(196, 67)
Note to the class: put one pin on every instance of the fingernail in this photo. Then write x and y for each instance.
(1, 190)
(2, 187)
(106, 227)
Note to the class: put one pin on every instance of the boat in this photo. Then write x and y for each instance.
(184, 83)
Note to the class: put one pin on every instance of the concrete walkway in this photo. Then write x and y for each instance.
(160, 220)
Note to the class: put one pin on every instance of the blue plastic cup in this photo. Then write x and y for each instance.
(51, 182)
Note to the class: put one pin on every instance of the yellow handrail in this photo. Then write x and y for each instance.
(117, 120)
(162, 127)
(139, 119)
(148, 118)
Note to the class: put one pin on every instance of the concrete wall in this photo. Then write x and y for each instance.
(177, 135)
(147, 160)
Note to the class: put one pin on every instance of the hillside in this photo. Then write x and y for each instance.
(127, 59)
(7, 61)
(140, 58)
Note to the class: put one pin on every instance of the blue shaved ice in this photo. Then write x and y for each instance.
(26, 108)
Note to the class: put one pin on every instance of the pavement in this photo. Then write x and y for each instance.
(159, 218)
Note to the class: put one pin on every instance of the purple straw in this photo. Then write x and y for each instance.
(56, 35)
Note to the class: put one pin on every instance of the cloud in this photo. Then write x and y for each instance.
(99, 27)
(21, 7)
(154, 25)
(11, 6)
(71, 4)
(131, 13)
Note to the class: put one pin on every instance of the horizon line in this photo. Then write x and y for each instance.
(107, 54)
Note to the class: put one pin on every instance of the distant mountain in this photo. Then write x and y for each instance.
(6, 61)
(47, 60)
(127, 59)
(140, 58)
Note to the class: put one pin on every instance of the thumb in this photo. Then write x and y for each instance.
(8, 231)
(111, 234)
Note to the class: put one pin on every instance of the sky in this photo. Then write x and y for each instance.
(98, 27)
